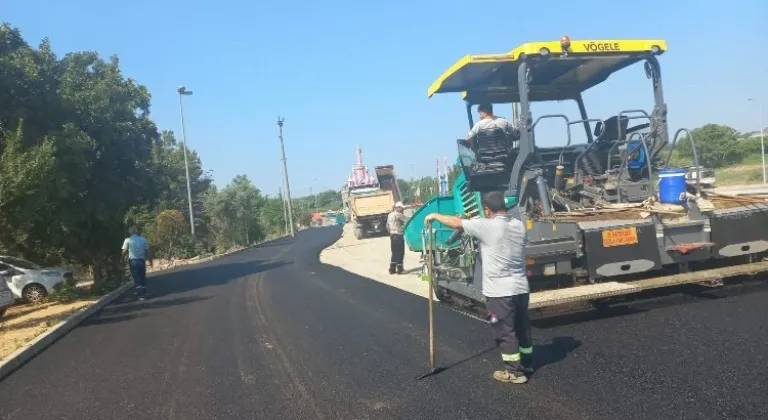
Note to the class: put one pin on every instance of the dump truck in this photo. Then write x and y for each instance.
(369, 212)
(604, 219)
(388, 181)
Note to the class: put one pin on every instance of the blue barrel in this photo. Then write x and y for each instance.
(672, 186)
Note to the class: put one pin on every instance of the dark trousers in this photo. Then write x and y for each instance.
(512, 327)
(397, 245)
(139, 273)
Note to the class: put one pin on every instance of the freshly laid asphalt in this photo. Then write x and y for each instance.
(270, 333)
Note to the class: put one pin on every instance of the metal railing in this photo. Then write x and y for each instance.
(568, 124)
(693, 149)
(622, 115)
(625, 162)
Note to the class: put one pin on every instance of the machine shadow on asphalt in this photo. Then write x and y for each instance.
(554, 352)
(645, 301)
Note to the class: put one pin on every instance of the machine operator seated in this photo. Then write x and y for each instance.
(487, 123)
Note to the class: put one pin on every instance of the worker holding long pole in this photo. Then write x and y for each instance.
(505, 284)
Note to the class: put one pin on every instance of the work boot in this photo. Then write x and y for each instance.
(526, 362)
(509, 377)
(399, 269)
(391, 269)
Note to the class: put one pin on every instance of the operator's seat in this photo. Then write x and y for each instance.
(595, 161)
(492, 156)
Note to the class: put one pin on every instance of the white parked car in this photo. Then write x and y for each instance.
(30, 281)
(6, 297)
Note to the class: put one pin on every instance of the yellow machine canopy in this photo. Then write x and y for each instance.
(559, 69)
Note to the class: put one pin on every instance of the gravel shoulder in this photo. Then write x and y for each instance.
(22, 323)
(369, 258)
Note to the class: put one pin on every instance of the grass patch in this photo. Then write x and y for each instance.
(752, 160)
(749, 171)
(739, 175)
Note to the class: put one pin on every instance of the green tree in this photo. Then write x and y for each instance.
(716, 146)
(406, 194)
(99, 123)
(234, 213)
(327, 200)
(750, 145)
(273, 216)
(170, 180)
(168, 232)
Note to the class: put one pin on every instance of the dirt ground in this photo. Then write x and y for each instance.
(22, 323)
(370, 258)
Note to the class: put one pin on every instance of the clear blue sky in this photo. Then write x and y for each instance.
(356, 72)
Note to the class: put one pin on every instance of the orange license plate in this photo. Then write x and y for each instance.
(619, 237)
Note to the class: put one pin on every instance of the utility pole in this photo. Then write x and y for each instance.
(314, 195)
(285, 175)
(762, 140)
(184, 92)
(437, 171)
(762, 136)
(285, 209)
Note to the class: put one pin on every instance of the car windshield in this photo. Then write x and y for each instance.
(18, 262)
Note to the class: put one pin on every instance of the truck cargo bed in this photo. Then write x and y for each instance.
(372, 204)
(388, 181)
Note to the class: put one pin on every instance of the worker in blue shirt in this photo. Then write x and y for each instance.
(137, 249)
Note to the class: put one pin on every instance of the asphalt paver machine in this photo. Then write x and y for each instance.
(604, 218)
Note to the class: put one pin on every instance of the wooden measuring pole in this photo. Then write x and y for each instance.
(430, 273)
(433, 370)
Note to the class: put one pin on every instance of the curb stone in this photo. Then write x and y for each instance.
(39, 343)
(22, 355)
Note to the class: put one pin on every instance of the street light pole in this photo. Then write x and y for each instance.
(762, 136)
(313, 195)
(762, 140)
(182, 92)
(285, 175)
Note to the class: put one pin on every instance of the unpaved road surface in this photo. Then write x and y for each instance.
(270, 333)
(370, 257)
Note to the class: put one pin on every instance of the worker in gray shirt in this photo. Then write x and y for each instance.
(395, 226)
(505, 284)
